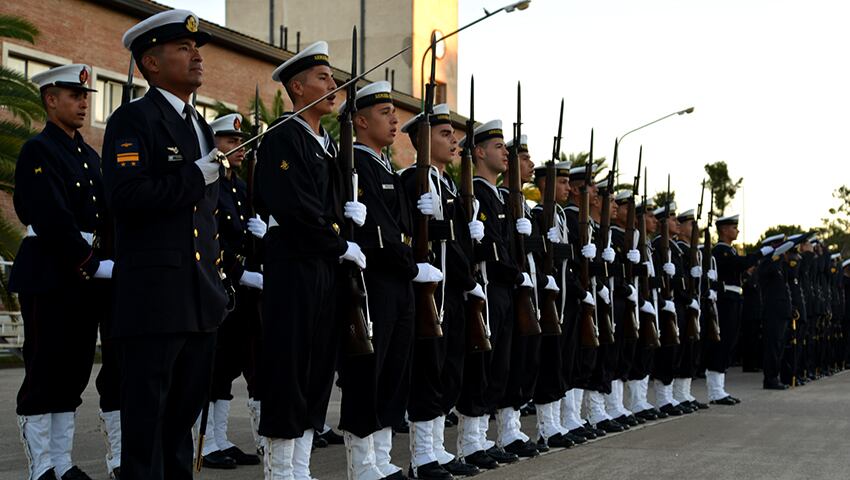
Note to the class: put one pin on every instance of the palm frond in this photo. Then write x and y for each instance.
(10, 238)
(17, 28)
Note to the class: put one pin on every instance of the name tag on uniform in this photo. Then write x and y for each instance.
(175, 158)
(388, 186)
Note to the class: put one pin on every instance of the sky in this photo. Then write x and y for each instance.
(768, 80)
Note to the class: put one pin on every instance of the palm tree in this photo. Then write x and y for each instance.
(22, 100)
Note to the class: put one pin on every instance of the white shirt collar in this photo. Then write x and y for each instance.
(172, 99)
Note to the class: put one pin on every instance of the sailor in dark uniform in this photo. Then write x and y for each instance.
(237, 230)
(161, 170)
(777, 308)
(298, 188)
(438, 364)
(59, 197)
(791, 356)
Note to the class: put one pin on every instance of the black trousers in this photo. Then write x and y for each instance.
(689, 349)
(300, 336)
(165, 381)
(718, 355)
(497, 362)
(60, 333)
(623, 313)
(550, 380)
(569, 342)
(235, 348)
(108, 381)
(453, 350)
(375, 387)
(775, 326)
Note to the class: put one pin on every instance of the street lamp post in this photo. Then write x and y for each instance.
(520, 5)
(680, 112)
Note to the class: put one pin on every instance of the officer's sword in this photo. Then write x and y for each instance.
(317, 101)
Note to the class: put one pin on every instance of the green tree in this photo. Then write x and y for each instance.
(836, 226)
(788, 230)
(722, 184)
(661, 198)
(22, 100)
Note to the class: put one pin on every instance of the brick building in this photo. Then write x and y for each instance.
(89, 31)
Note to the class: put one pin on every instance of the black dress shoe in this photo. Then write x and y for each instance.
(241, 457)
(576, 439)
(685, 408)
(723, 401)
(627, 420)
(462, 469)
(451, 417)
(598, 431)
(115, 474)
(639, 420)
(48, 475)
(557, 441)
(775, 386)
(502, 456)
(331, 437)
(430, 471)
(319, 442)
(700, 405)
(583, 432)
(218, 459)
(482, 460)
(75, 474)
(735, 399)
(610, 426)
(658, 413)
(647, 415)
(522, 449)
(541, 446)
(395, 476)
(671, 410)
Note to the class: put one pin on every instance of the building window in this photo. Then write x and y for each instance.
(440, 93)
(207, 111)
(27, 66)
(108, 97)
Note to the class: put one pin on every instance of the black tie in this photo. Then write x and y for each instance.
(188, 113)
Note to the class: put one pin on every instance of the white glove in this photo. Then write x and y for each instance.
(766, 251)
(712, 275)
(425, 204)
(356, 211)
(696, 272)
(669, 307)
(605, 295)
(712, 295)
(588, 299)
(526, 281)
(257, 227)
(669, 269)
(551, 284)
(209, 165)
(647, 307)
(475, 292)
(694, 305)
(632, 294)
(252, 279)
(608, 255)
(633, 256)
(588, 251)
(104, 270)
(523, 226)
(476, 230)
(428, 274)
(554, 235)
(354, 254)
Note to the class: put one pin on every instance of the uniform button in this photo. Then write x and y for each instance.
(217, 261)
(195, 209)
(79, 150)
(78, 184)
(196, 233)
(198, 256)
(215, 212)
(234, 189)
(91, 182)
(241, 217)
(85, 165)
(239, 202)
(216, 237)
(96, 215)
(93, 198)
(228, 217)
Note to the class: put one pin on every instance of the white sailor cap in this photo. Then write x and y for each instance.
(579, 172)
(773, 238)
(75, 75)
(795, 237)
(727, 220)
(562, 169)
(686, 216)
(372, 94)
(623, 196)
(814, 239)
(845, 263)
(523, 143)
(486, 131)
(313, 55)
(440, 116)
(835, 256)
(230, 124)
(163, 28)
(659, 212)
(647, 205)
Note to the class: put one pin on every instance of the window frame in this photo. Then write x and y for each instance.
(99, 73)
(27, 53)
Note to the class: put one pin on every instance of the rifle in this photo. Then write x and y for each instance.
(692, 325)
(358, 328)
(605, 316)
(648, 329)
(550, 321)
(711, 323)
(427, 316)
(669, 327)
(525, 312)
(587, 316)
(477, 329)
(127, 88)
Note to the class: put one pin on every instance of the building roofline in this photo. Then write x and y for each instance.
(239, 42)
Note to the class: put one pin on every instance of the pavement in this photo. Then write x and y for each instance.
(795, 434)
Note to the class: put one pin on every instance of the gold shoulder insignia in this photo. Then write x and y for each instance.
(284, 165)
(37, 170)
(482, 217)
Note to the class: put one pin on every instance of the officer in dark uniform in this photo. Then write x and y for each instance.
(438, 364)
(730, 268)
(792, 360)
(240, 331)
(161, 170)
(298, 188)
(59, 197)
(777, 308)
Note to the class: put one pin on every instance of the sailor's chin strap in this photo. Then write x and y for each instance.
(439, 215)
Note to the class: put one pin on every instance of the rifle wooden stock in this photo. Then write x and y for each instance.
(669, 327)
(550, 321)
(710, 322)
(603, 312)
(631, 325)
(587, 321)
(692, 325)
(649, 337)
